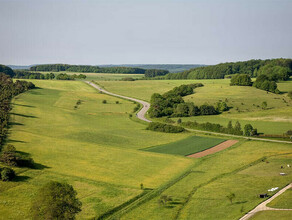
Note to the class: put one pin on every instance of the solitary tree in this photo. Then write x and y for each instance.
(56, 201)
(264, 105)
(231, 196)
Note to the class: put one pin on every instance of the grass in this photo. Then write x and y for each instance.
(283, 201)
(245, 169)
(244, 102)
(272, 215)
(93, 147)
(190, 145)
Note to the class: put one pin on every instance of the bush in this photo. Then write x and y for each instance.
(290, 94)
(104, 101)
(128, 79)
(241, 80)
(56, 201)
(156, 126)
(7, 174)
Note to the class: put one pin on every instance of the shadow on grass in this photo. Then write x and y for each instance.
(38, 166)
(240, 202)
(14, 123)
(21, 179)
(25, 116)
(28, 106)
(15, 141)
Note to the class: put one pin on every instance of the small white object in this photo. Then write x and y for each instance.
(288, 165)
(282, 174)
(273, 189)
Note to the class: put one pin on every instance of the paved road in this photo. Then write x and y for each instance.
(146, 106)
(263, 205)
(141, 114)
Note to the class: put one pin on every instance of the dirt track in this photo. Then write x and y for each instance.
(214, 149)
(140, 114)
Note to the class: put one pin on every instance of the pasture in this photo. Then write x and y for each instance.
(272, 215)
(244, 102)
(93, 147)
(187, 146)
(283, 201)
(247, 169)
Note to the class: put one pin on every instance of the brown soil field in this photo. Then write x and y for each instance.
(214, 149)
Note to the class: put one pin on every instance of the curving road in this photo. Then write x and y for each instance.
(146, 106)
(141, 114)
(263, 205)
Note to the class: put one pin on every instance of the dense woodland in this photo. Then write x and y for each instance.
(172, 104)
(278, 69)
(97, 69)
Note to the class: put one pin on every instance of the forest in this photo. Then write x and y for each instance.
(97, 69)
(278, 69)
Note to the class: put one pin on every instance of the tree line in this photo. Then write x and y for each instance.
(97, 69)
(280, 69)
(8, 154)
(171, 104)
(229, 129)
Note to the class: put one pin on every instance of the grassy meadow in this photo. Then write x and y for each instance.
(190, 145)
(283, 201)
(246, 169)
(93, 147)
(244, 102)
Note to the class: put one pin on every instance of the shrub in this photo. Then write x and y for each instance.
(241, 80)
(128, 79)
(104, 101)
(55, 201)
(117, 102)
(290, 94)
(156, 126)
(7, 174)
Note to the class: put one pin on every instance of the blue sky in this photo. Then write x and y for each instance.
(135, 32)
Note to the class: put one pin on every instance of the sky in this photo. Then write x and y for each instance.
(97, 32)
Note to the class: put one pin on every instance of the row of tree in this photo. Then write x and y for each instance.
(160, 127)
(22, 74)
(172, 104)
(64, 76)
(281, 69)
(230, 129)
(97, 69)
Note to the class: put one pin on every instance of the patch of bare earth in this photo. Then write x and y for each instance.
(214, 149)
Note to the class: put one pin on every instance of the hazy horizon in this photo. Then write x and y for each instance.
(106, 32)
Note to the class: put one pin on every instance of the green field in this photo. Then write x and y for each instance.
(245, 102)
(272, 215)
(190, 145)
(247, 170)
(97, 148)
(283, 201)
(92, 147)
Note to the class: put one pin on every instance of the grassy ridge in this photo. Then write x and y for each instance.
(190, 145)
(92, 147)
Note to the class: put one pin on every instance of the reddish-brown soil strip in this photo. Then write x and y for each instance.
(214, 149)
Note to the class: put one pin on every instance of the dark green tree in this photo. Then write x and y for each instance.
(55, 201)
